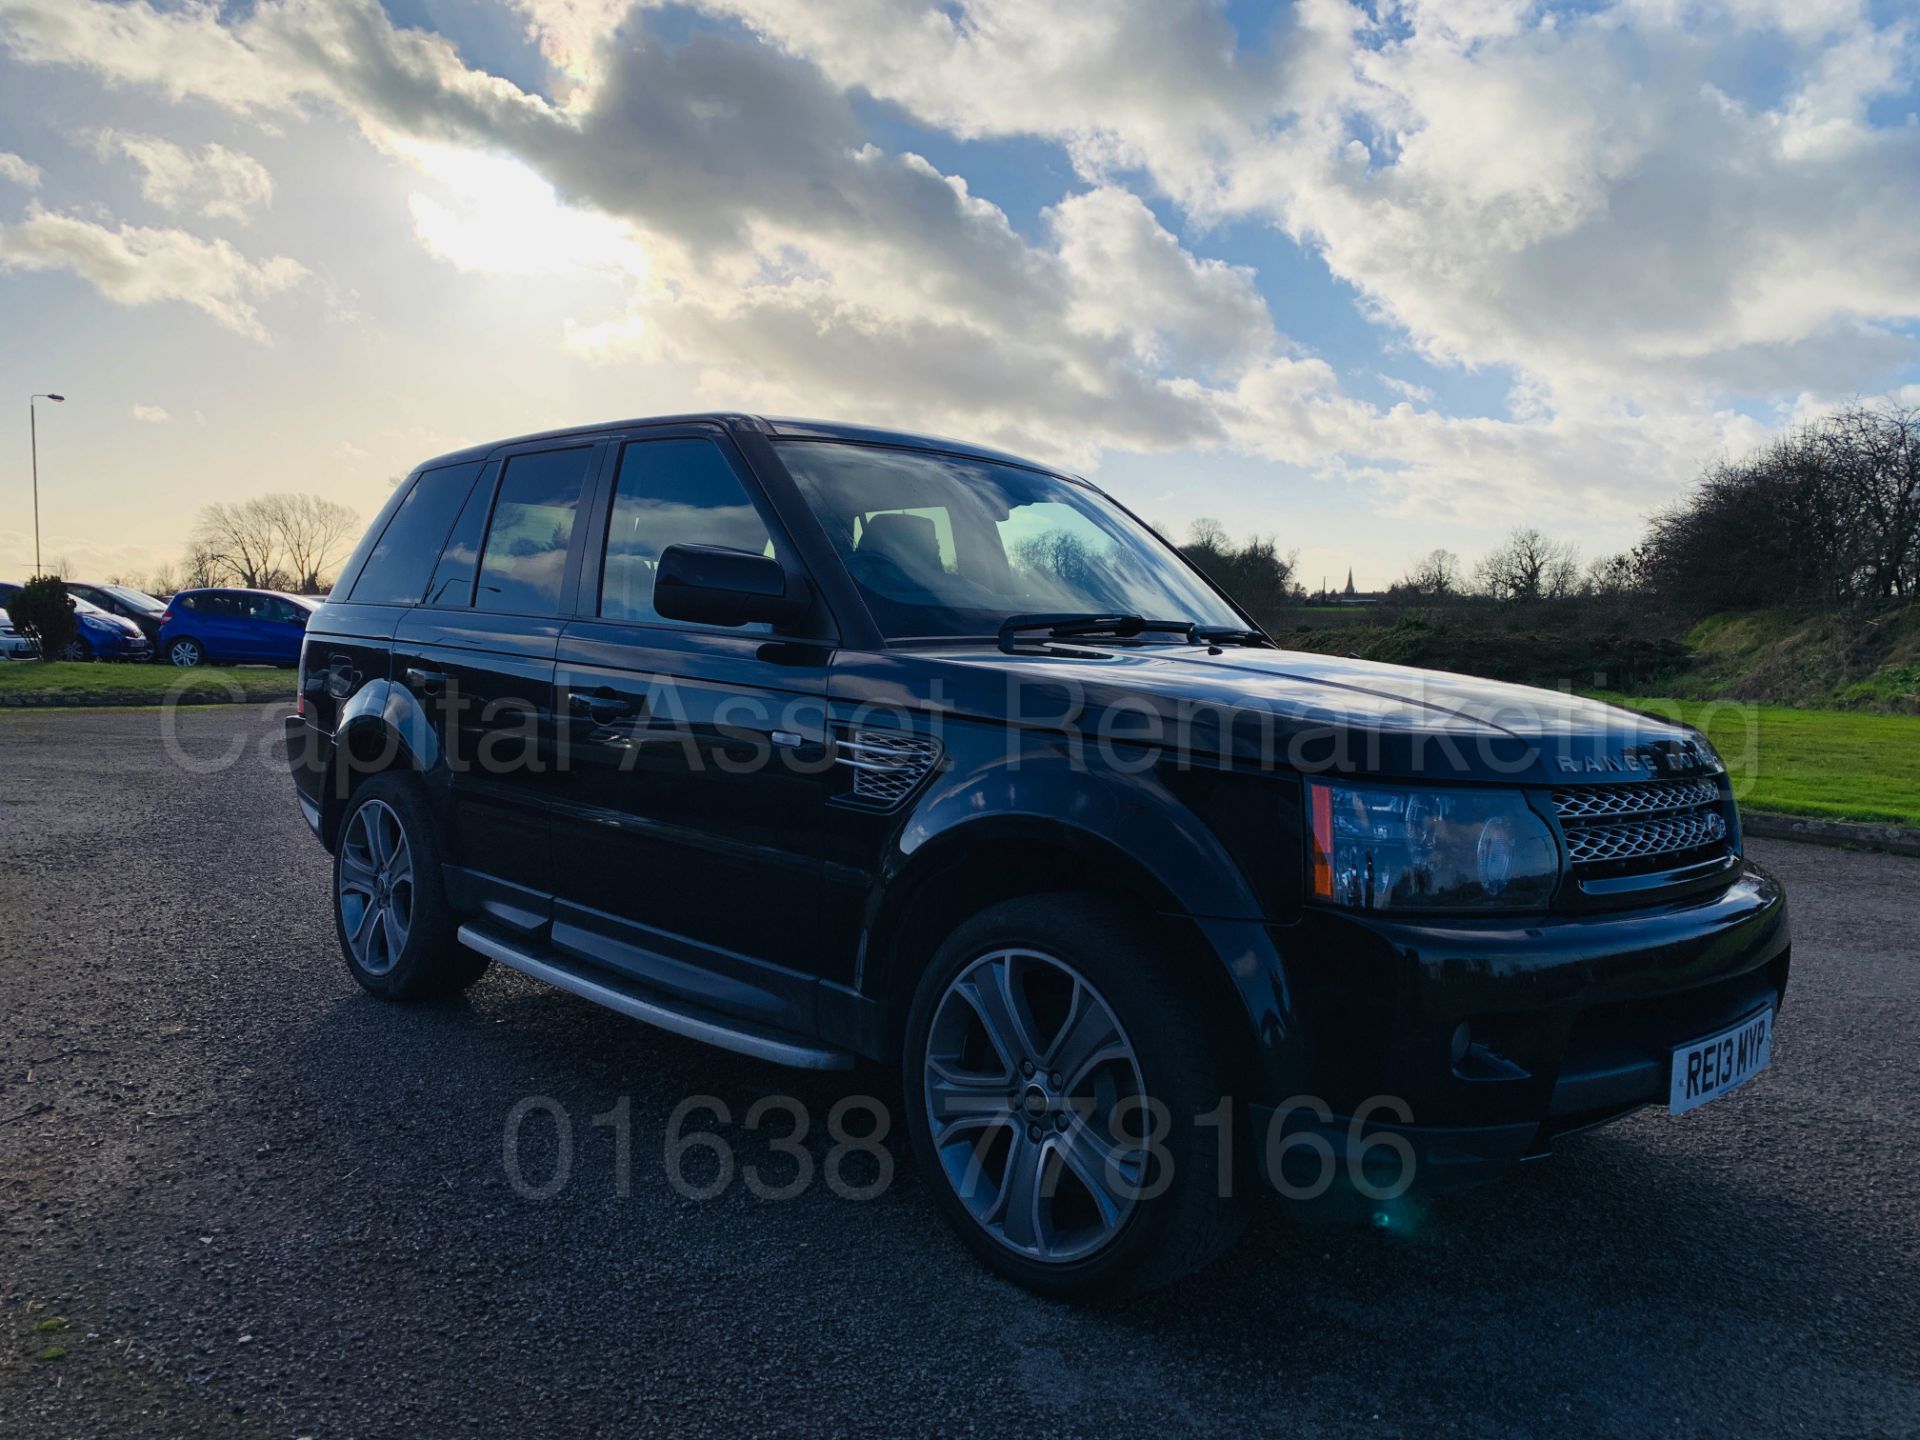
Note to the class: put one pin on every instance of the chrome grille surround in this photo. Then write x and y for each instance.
(887, 765)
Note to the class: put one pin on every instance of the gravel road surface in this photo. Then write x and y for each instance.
(243, 1198)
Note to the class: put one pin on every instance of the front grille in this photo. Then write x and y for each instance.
(1669, 835)
(1656, 825)
(886, 764)
(1593, 802)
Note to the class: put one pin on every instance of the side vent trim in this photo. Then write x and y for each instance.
(886, 765)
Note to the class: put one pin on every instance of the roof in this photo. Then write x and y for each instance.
(237, 590)
(774, 426)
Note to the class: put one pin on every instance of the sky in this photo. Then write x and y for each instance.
(1369, 279)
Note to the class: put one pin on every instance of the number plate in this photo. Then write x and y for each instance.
(1707, 1069)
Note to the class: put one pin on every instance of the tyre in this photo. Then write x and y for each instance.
(186, 652)
(390, 907)
(77, 649)
(1046, 1039)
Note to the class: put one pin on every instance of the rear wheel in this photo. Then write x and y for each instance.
(1055, 1067)
(186, 652)
(390, 908)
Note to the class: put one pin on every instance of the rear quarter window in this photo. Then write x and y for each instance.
(396, 568)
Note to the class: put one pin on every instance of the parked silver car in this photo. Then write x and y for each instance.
(14, 645)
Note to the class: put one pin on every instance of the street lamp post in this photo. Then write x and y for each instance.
(33, 441)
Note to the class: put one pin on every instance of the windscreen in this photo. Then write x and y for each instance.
(943, 545)
(138, 599)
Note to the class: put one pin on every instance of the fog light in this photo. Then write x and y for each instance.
(1462, 1041)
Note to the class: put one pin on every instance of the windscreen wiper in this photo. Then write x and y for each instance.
(1061, 627)
(1225, 635)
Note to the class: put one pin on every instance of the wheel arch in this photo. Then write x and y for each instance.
(380, 729)
(984, 862)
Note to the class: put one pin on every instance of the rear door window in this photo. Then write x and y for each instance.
(396, 569)
(524, 561)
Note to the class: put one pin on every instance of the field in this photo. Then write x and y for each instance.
(118, 683)
(1843, 765)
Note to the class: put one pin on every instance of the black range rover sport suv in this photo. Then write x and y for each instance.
(823, 744)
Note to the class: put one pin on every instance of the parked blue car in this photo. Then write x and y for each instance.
(235, 627)
(97, 635)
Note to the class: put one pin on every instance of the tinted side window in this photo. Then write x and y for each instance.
(350, 572)
(525, 557)
(460, 556)
(396, 569)
(671, 492)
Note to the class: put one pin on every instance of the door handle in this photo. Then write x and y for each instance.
(427, 682)
(601, 706)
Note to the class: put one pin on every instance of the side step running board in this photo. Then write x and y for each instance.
(728, 1035)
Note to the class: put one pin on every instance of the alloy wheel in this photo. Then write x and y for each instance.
(1034, 1096)
(375, 888)
(184, 653)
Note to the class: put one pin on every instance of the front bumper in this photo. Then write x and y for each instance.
(121, 647)
(1570, 1022)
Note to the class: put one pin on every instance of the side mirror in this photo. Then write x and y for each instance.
(712, 585)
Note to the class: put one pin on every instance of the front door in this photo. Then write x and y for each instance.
(691, 808)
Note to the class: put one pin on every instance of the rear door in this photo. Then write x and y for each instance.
(479, 655)
(690, 815)
(253, 629)
(219, 627)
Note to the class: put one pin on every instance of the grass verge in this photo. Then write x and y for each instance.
(1838, 764)
(74, 681)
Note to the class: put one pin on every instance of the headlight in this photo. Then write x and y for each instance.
(1379, 847)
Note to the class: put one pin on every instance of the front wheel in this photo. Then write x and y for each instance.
(77, 649)
(186, 653)
(1056, 1070)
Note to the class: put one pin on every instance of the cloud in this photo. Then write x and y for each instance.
(1417, 393)
(150, 414)
(23, 173)
(1568, 193)
(217, 182)
(131, 265)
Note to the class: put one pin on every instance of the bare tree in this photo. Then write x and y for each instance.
(1437, 575)
(200, 566)
(1529, 566)
(315, 535)
(242, 541)
(271, 542)
(1613, 575)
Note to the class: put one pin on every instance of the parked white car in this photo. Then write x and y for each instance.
(14, 645)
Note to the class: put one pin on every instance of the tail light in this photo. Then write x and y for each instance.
(165, 616)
